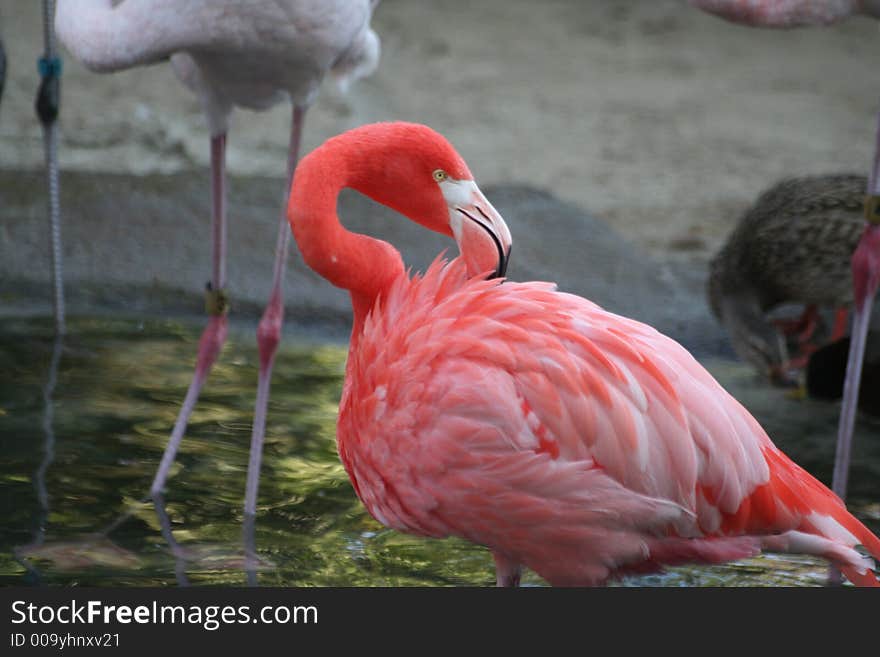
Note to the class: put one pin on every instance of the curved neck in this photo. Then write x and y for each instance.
(363, 265)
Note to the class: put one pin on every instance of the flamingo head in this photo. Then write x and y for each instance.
(417, 172)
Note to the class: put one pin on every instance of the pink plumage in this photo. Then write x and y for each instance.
(785, 13)
(569, 439)
(565, 438)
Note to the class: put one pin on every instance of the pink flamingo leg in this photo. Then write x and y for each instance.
(849, 406)
(866, 276)
(803, 327)
(507, 572)
(214, 334)
(269, 329)
(841, 320)
(851, 384)
(866, 279)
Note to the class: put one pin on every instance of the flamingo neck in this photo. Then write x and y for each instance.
(363, 265)
(866, 265)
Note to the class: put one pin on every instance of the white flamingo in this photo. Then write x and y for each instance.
(230, 53)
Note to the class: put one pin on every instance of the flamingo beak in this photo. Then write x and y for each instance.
(479, 230)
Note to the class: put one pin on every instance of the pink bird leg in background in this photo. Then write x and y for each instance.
(230, 54)
(567, 439)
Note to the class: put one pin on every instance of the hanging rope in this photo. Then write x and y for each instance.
(47, 106)
(2, 68)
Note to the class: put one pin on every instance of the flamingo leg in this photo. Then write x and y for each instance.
(177, 552)
(798, 362)
(269, 329)
(507, 571)
(214, 334)
(804, 333)
(803, 327)
(849, 406)
(866, 280)
(841, 320)
(809, 320)
(851, 384)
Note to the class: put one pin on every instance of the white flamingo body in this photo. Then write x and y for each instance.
(231, 53)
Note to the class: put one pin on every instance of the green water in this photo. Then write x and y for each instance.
(75, 468)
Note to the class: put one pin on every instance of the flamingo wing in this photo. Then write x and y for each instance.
(571, 439)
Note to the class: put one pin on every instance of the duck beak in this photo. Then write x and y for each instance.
(479, 230)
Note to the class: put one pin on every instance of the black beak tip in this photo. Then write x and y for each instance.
(503, 262)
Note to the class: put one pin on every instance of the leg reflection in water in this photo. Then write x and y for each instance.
(39, 477)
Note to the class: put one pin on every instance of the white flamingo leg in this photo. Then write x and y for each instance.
(269, 329)
(214, 334)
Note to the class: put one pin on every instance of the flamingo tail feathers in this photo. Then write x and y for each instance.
(868, 541)
(825, 527)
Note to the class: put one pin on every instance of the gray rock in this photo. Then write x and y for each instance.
(141, 245)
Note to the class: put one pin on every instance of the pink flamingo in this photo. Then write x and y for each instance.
(230, 54)
(565, 438)
(866, 258)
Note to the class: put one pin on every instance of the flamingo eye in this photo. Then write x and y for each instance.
(440, 175)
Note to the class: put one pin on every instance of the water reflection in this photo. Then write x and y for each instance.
(249, 528)
(113, 397)
(176, 551)
(48, 457)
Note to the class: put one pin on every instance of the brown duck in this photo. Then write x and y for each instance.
(793, 246)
